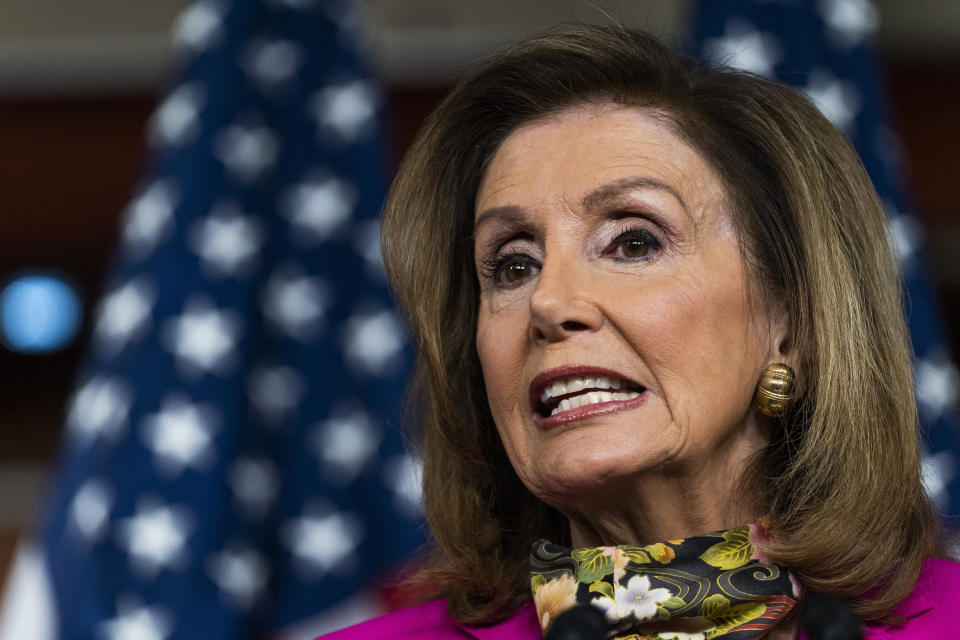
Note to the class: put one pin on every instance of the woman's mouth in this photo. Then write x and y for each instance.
(578, 396)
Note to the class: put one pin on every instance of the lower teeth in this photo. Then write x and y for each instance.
(593, 397)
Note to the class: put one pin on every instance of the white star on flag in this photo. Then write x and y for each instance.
(155, 537)
(203, 338)
(227, 241)
(319, 207)
(905, 236)
(888, 147)
(839, 101)
(323, 542)
(272, 62)
(274, 391)
(404, 475)
(124, 314)
(241, 574)
(743, 47)
(247, 150)
(345, 444)
(180, 435)
(100, 409)
(849, 21)
(90, 508)
(373, 342)
(176, 121)
(347, 110)
(938, 470)
(937, 382)
(350, 21)
(295, 303)
(149, 217)
(367, 243)
(199, 26)
(134, 622)
(255, 482)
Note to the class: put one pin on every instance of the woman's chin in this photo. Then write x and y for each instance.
(565, 480)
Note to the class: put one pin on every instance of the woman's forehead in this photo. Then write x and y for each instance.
(585, 150)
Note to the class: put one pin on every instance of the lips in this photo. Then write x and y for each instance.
(571, 393)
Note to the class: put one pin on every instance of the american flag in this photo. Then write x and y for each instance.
(826, 49)
(233, 461)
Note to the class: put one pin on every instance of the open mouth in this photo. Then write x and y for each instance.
(573, 392)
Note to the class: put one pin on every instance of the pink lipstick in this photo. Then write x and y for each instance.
(567, 394)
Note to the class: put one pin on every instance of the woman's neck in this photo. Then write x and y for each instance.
(656, 508)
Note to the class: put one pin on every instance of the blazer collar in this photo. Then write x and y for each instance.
(914, 604)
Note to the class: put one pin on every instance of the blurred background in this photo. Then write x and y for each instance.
(80, 80)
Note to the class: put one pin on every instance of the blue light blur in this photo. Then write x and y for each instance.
(39, 313)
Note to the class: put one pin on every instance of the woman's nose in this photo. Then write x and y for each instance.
(560, 304)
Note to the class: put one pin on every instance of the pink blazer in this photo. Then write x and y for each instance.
(930, 613)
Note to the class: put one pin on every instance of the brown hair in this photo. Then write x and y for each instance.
(841, 475)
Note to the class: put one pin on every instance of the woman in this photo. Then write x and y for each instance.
(604, 250)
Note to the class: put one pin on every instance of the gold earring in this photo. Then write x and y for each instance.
(775, 390)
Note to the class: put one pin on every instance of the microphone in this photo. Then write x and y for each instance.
(582, 622)
(826, 617)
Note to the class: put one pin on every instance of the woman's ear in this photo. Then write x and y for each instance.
(779, 334)
(783, 348)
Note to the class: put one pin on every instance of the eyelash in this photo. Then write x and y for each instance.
(494, 269)
(635, 233)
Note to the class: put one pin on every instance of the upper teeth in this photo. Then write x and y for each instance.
(593, 397)
(579, 383)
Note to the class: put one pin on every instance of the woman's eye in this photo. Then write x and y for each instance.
(511, 269)
(634, 243)
(516, 271)
(635, 248)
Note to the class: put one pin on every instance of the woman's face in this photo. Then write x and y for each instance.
(615, 331)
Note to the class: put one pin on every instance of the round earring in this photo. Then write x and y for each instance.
(775, 390)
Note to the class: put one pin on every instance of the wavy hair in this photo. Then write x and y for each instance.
(840, 478)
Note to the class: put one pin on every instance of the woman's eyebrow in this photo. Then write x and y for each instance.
(617, 188)
(509, 214)
(516, 215)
